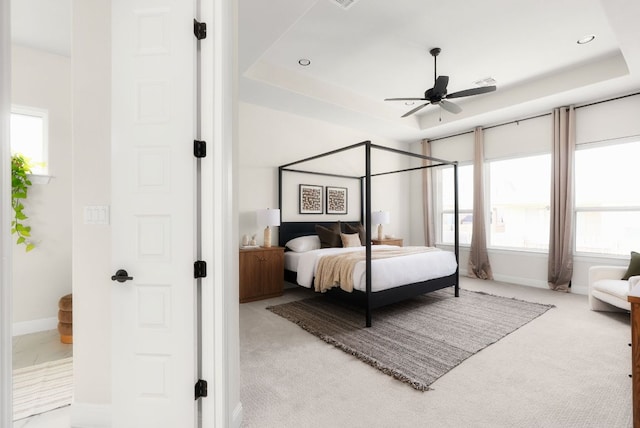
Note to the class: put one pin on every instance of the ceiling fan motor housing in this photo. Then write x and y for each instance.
(434, 98)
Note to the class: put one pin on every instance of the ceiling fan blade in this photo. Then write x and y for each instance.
(450, 107)
(440, 86)
(410, 112)
(472, 91)
(405, 99)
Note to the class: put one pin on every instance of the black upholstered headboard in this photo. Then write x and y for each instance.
(294, 229)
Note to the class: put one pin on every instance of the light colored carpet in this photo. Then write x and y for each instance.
(568, 368)
(418, 340)
(43, 387)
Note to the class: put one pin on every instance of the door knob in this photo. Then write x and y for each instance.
(121, 276)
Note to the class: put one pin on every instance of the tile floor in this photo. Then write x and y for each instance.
(36, 348)
(59, 418)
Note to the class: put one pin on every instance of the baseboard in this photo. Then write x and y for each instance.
(529, 282)
(85, 415)
(575, 288)
(236, 417)
(517, 280)
(580, 289)
(34, 326)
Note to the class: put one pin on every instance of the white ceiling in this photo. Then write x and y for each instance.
(379, 48)
(42, 24)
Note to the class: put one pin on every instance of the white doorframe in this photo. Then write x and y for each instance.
(220, 331)
(6, 309)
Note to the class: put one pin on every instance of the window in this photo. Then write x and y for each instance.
(519, 195)
(29, 136)
(606, 204)
(465, 204)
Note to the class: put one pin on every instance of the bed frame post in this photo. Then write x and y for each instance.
(367, 212)
(456, 236)
(280, 193)
(363, 217)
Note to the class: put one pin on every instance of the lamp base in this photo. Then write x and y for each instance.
(380, 234)
(267, 237)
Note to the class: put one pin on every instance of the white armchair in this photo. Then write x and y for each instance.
(607, 292)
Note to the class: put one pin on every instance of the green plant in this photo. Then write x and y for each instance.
(20, 183)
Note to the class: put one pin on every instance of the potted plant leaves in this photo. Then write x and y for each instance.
(20, 183)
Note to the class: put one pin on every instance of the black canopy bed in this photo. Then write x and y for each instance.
(442, 265)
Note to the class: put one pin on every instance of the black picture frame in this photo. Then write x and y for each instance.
(336, 200)
(310, 199)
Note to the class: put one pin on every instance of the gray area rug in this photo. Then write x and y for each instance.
(418, 340)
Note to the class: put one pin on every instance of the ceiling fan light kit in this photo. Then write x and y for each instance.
(438, 94)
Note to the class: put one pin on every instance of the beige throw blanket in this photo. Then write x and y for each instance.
(337, 270)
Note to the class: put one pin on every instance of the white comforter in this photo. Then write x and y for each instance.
(385, 273)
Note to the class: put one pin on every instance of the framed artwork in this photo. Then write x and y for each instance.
(336, 200)
(310, 199)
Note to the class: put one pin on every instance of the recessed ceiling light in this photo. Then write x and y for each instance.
(304, 62)
(409, 103)
(586, 39)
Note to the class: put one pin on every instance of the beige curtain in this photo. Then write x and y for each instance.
(427, 198)
(479, 266)
(561, 227)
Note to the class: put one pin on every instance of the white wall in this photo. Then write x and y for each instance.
(604, 121)
(92, 186)
(42, 276)
(270, 138)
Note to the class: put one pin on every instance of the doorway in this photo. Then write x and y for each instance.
(41, 129)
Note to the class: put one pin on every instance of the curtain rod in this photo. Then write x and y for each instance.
(536, 117)
(607, 100)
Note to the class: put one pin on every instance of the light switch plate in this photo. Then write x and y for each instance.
(96, 214)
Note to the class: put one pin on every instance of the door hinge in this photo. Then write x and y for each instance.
(200, 269)
(201, 388)
(199, 29)
(199, 148)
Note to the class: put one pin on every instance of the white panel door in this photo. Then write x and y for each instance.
(153, 213)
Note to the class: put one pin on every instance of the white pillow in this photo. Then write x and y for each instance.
(304, 243)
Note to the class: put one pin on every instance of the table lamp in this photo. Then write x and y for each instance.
(380, 218)
(268, 218)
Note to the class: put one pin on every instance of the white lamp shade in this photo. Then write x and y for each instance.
(268, 217)
(380, 217)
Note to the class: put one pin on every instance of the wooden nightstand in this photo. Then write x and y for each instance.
(261, 273)
(388, 241)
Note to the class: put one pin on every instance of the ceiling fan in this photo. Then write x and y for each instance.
(438, 94)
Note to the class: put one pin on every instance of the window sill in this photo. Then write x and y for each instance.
(40, 178)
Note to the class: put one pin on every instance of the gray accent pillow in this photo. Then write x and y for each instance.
(634, 266)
